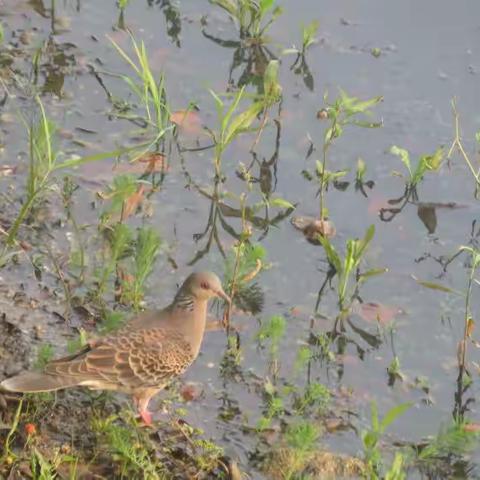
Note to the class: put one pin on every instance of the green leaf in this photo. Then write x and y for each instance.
(227, 5)
(270, 79)
(281, 203)
(404, 157)
(363, 244)
(243, 121)
(76, 162)
(331, 253)
(434, 161)
(393, 414)
(372, 273)
(265, 6)
(437, 286)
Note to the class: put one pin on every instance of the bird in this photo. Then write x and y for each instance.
(141, 357)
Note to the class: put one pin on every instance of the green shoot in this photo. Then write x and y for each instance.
(424, 164)
(344, 111)
(347, 267)
(231, 125)
(272, 330)
(150, 91)
(371, 437)
(250, 16)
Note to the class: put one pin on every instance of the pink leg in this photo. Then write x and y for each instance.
(141, 402)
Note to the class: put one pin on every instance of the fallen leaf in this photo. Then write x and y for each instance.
(376, 203)
(188, 121)
(131, 204)
(472, 427)
(151, 162)
(312, 228)
(191, 391)
(470, 327)
(6, 170)
(376, 312)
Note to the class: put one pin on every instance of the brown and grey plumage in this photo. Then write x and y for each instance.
(140, 358)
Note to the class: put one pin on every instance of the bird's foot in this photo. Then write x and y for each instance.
(146, 417)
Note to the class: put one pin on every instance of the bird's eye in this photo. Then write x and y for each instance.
(205, 285)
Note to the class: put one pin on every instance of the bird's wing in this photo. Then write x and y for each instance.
(129, 359)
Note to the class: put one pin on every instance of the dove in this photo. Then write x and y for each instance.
(142, 357)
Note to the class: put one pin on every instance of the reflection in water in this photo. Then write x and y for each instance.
(251, 53)
(267, 169)
(300, 67)
(173, 19)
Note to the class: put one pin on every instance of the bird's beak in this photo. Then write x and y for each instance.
(222, 294)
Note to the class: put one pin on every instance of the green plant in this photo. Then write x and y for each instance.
(425, 163)
(457, 145)
(301, 439)
(396, 471)
(43, 163)
(120, 240)
(454, 439)
(271, 95)
(314, 395)
(150, 91)
(272, 330)
(371, 437)
(346, 267)
(47, 469)
(130, 449)
(147, 247)
(250, 15)
(44, 355)
(230, 125)
(344, 111)
(394, 371)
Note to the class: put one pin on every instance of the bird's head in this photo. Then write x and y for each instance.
(204, 285)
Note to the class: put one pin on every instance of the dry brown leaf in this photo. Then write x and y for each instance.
(376, 312)
(191, 391)
(472, 427)
(6, 170)
(470, 327)
(131, 204)
(187, 120)
(151, 162)
(312, 228)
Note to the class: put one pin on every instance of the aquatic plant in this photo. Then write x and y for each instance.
(231, 124)
(300, 65)
(347, 266)
(250, 15)
(149, 89)
(344, 111)
(371, 437)
(425, 163)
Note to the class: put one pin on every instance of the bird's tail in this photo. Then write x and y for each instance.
(33, 382)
